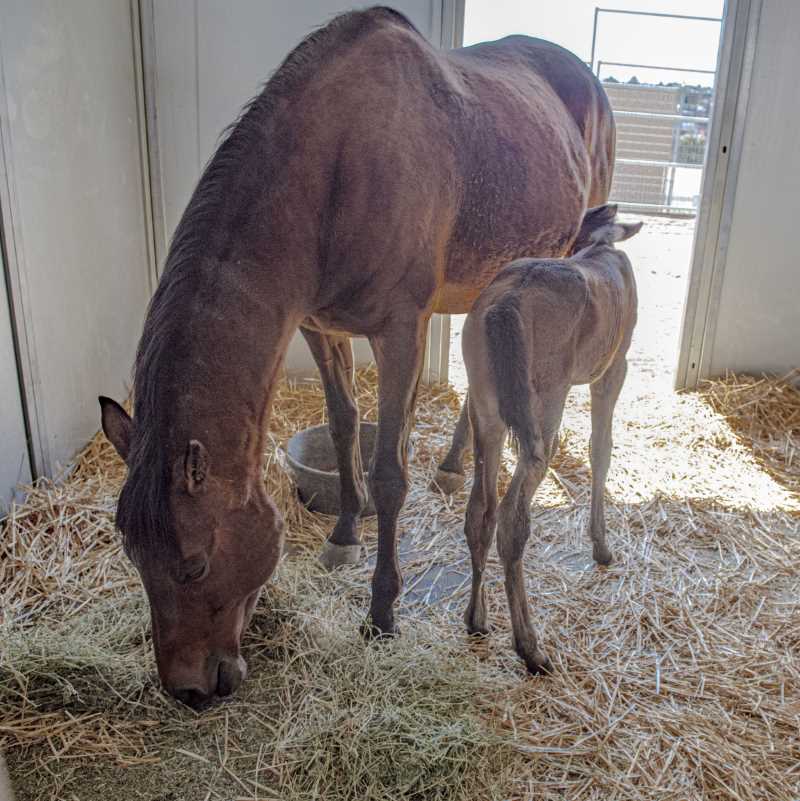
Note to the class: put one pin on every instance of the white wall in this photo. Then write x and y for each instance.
(14, 464)
(758, 319)
(74, 219)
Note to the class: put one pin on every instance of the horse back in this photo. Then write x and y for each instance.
(532, 137)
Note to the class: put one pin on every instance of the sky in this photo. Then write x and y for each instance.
(620, 37)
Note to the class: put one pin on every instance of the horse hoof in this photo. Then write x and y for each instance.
(528, 651)
(447, 482)
(540, 666)
(372, 631)
(332, 555)
(603, 557)
(476, 619)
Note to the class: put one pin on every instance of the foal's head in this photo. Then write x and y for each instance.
(202, 552)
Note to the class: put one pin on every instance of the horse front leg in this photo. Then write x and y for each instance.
(399, 352)
(334, 358)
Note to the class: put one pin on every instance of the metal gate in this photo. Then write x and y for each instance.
(662, 130)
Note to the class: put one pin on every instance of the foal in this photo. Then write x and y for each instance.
(539, 328)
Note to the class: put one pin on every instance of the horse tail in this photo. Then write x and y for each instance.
(510, 370)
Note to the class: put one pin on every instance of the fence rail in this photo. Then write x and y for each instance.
(657, 115)
(659, 154)
(648, 163)
(661, 130)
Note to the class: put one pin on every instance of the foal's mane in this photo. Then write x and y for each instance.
(143, 513)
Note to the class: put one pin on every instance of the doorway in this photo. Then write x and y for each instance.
(657, 60)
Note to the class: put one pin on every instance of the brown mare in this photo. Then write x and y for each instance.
(538, 329)
(373, 182)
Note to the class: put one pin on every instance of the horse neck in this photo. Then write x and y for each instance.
(215, 373)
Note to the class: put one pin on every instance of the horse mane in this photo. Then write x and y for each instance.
(143, 512)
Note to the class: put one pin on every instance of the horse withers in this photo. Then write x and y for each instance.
(541, 327)
(375, 181)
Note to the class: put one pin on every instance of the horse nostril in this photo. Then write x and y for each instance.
(191, 697)
(229, 676)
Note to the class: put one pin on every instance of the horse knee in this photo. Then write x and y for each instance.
(479, 523)
(513, 531)
(511, 542)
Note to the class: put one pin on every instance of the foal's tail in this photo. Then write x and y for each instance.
(510, 364)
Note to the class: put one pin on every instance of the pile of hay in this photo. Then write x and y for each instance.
(676, 670)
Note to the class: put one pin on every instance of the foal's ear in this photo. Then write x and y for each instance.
(618, 232)
(594, 220)
(597, 217)
(195, 466)
(117, 425)
(624, 231)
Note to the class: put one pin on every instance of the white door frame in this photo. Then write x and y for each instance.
(712, 231)
(437, 351)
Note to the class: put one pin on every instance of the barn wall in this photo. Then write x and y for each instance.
(203, 61)
(74, 211)
(14, 463)
(758, 315)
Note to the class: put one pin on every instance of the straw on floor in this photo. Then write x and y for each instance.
(676, 670)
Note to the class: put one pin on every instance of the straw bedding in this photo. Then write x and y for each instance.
(676, 670)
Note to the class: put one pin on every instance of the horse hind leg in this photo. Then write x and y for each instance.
(450, 477)
(513, 531)
(604, 392)
(479, 525)
(514, 524)
(334, 358)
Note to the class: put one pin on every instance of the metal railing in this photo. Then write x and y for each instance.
(659, 149)
(657, 152)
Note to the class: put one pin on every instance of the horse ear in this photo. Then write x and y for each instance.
(618, 232)
(195, 466)
(597, 217)
(594, 220)
(628, 230)
(117, 425)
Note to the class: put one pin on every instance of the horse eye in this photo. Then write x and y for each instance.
(194, 569)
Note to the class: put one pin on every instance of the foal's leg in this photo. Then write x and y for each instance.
(334, 358)
(513, 529)
(399, 352)
(489, 434)
(605, 392)
(450, 476)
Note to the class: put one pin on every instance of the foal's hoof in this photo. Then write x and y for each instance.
(447, 482)
(602, 556)
(535, 659)
(476, 619)
(332, 555)
(539, 666)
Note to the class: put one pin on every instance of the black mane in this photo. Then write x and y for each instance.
(143, 513)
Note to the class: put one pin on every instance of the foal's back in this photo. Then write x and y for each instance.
(576, 312)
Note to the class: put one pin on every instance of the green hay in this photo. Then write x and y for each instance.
(323, 715)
